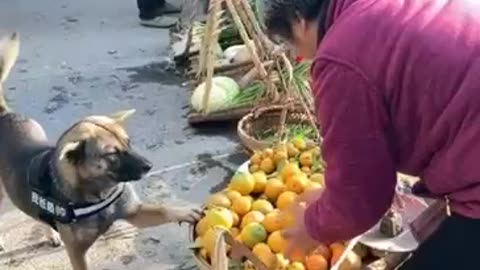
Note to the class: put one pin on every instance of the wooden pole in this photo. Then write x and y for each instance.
(243, 33)
(207, 54)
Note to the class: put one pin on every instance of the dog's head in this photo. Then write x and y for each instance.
(96, 151)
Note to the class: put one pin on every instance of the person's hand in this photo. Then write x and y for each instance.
(297, 236)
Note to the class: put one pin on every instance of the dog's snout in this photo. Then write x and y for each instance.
(147, 166)
(142, 164)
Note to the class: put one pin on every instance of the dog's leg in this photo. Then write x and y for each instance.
(77, 256)
(144, 215)
(76, 245)
(53, 236)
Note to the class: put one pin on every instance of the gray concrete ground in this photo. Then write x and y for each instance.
(91, 57)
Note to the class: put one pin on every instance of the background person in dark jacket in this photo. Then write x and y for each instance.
(397, 88)
(155, 13)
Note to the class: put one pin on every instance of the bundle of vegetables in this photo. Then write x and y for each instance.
(254, 209)
(225, 93)
(249, 95)
(198, 33)
(257, 89)
(230, 35)
(292, 131)
(301, 81)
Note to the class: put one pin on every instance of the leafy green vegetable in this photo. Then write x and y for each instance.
(291, 131)
(249, 95)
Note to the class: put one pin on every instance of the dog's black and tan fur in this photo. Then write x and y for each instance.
(90, 159)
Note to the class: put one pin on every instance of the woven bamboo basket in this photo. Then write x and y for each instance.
(268, 118)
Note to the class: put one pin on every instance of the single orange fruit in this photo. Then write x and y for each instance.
(277, 243)
(260, 182)
(306, 169)
(202, 227)
(267, 165)
(232, 195)
(272, 221)
(273, 189)
(280, 156)
(297, 183)
(256, 158)
(297, 256)
(254, 216)
(299, 143)
(242, 182)
(306, 159)
(316, 262)
(290, 169)
(268, 153)
(220, 200)
(286, 199)
(253, 234)
(241, 206)
(264, 253)
(263, 206)
(324, 251)
(337, 251)
(219, 216)
(236, 218)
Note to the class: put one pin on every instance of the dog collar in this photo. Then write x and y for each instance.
(51, 207)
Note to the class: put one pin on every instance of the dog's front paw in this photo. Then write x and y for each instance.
(54, 239)
(190, 216)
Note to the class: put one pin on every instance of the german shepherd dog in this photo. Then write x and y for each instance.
(79, 187)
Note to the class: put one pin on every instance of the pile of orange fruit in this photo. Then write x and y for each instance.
(254, 208)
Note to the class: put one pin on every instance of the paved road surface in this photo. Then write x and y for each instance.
(91, 57)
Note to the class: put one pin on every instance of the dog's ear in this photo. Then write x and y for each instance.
(73, 151)
(121, 116)
(9, 48)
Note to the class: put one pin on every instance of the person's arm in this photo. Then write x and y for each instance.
(360, 176)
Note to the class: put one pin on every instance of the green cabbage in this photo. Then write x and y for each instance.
(223, 90)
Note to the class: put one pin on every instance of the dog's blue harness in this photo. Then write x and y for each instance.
(53, 208)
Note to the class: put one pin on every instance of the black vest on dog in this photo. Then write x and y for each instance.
(51, 206)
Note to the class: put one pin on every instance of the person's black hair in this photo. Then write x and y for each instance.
(280, 14)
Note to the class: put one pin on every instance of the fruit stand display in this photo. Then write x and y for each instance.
(255, 207)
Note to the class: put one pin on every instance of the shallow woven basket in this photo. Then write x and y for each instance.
(267, 118)
(386, 262)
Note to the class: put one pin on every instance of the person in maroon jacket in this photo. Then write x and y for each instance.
(397, 88)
